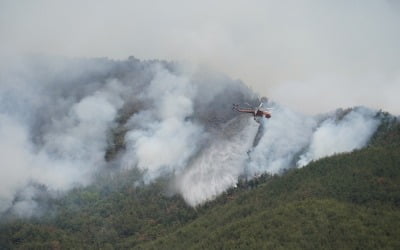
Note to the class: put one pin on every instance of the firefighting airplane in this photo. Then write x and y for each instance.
(257, 112)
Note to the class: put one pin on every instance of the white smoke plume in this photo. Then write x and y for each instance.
(284, 136)
(164, 141)
(53, 127)
(57, 118)
(332, 136)
(293, 139)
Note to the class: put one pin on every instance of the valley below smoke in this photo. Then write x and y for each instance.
(62, 121)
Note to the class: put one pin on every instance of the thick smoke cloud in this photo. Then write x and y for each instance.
(58, 119)
(53, 128)
(332, 136)
(284, 136)
(165, 139)
(295, 51)
(294, 139)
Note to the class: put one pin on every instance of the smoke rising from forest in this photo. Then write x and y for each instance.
(294, 51)
(59, 117)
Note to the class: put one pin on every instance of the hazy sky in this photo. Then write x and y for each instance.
(313, 56)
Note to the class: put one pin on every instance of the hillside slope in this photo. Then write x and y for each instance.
(346, 201)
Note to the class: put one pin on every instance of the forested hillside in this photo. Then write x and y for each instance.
(345, 201)
(199, 125)
(349, 200)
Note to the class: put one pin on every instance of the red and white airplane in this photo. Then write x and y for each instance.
(255, 111)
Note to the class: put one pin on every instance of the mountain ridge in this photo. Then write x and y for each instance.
(349, 200)
(112, 152)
